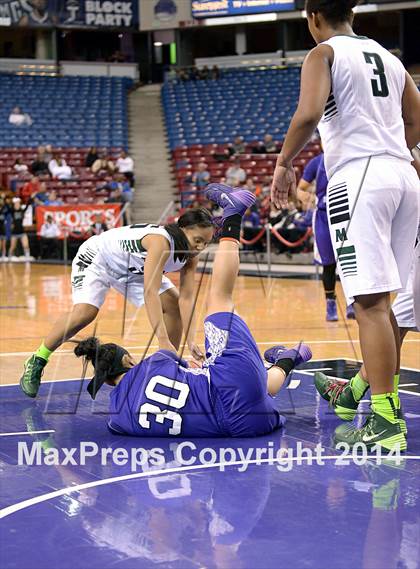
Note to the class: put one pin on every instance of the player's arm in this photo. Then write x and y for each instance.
(411, 111)
(157, 254)
(187, 306)
(416, 156)
(315, 88)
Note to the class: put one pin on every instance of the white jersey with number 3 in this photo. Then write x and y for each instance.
(363, 114)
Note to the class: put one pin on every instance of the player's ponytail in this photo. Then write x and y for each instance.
(105, 358)
(334, 11)
(88, 348)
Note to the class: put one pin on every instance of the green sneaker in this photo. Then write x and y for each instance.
(376, 431)
(31, 378)
(339, 395)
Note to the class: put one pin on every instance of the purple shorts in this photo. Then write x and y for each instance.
(238, 378)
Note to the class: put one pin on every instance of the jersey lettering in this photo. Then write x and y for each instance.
(177, 399)
(380, 85)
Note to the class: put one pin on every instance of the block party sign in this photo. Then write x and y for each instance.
(87, 13)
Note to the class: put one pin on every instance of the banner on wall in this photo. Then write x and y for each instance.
(165, 14)
(77, 219)
(211, 8)
(87, 13)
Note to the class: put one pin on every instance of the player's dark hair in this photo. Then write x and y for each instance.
(200, 217)
(105, 358)
(334, 11)
(196, 216)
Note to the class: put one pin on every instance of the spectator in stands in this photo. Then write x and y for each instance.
(235, 174)
(48, 153)
(91, 157)
(5, 214)
(116, 197)
(251, 226)
(237, 147)
(125, 165)
(249, 185)
(215, 72)
(117, 57)
(53, 199)
(194, 73)
(268, 146)
(39, 166)
(204, 73)
(29, 189)
(18, 118)
(49, 238)
(19, 167)
(41, 196)
(201, 177)
(103, 165)
(18, 233)
(98, 226)
(292, 224)
(182, 74)
(59, 168)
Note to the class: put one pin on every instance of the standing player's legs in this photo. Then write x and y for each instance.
(324, 254)
(89, 290)
(374, 255)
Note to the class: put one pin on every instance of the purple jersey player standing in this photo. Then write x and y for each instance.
(323, 250)
(231, 395)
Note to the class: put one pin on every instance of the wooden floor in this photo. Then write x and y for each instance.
(287, 311)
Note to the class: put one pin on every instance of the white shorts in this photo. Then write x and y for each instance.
(373, 213)
(406, 306)
(90, 280)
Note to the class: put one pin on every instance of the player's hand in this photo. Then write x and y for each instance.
(196, 352)
(283, 187)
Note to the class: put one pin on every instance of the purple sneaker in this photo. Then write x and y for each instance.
(350, 314)
(232, 202)
(299, 354)
(332, 315)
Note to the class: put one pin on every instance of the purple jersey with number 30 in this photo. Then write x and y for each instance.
(160, 397)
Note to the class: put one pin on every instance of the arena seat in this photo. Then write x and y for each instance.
(67, 112)
(203, 117)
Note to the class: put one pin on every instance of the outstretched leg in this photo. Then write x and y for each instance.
(226, 261)
(64, 329)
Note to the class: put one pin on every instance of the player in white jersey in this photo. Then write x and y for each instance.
(133, 260)
(368, 110)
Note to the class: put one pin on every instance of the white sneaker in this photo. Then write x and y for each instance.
(14, 259)
(28, 258)
(3, 259)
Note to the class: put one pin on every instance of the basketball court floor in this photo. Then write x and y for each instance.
(288, 500)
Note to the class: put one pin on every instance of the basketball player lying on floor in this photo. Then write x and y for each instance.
(133, 260)
(231, 394)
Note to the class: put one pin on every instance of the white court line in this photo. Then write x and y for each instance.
(4, 512)
(26, 433)
(409, 392)
(272, 343)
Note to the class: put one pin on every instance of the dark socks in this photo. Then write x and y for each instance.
(286, 365)
(232, 227)
(328, 280)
